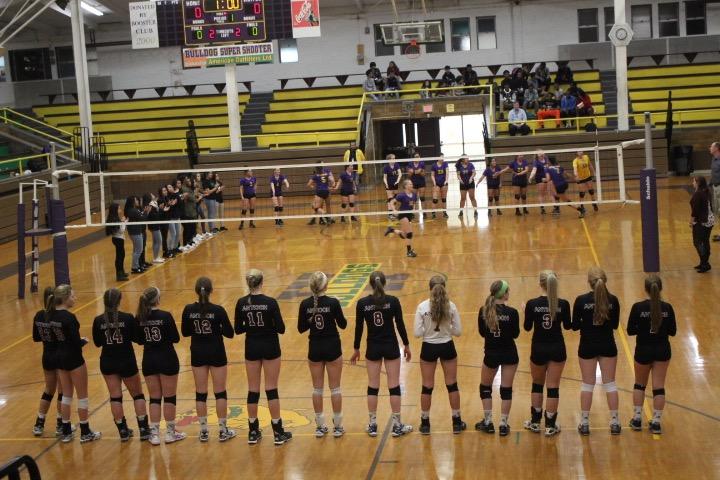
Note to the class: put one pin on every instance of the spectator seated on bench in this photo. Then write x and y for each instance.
(370, 86)
(425, 89)
(470, 78)
(392, 84)
(584, 106)
(548, 109)
(518, 121)
(447, 80)
(531, 98)
(564, 75)
(377, 77)
(568, 107)
(542, 77)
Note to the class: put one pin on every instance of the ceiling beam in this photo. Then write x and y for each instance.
(360, 5)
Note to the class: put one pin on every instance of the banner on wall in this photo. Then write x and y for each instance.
(228, 55)
(305, 18)
(144, 25)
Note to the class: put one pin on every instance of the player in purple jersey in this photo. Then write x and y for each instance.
(278, 181)
(538, 175)
(247, 196)
(493, 173)
(466, 177)
(392, 173)
(557, 177)
(438, 173)
(348, 190)
(403, 204)
(416, 172)
(322, 181)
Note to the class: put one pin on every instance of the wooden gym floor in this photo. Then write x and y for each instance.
(472, 255)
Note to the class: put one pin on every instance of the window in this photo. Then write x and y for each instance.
(669, 19)
(609, 13)
(587, 25)
(288, 50)
(486, 33)
(641, 21)
(695, 18)
(33, 64)
(382, 50)
(460, 34)
(438, 47)
(65, 62)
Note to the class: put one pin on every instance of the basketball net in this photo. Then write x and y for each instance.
(412, 51)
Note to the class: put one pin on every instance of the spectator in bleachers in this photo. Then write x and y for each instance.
(459, 82)
(548, 109)
(393, 68)
(531, 98)
(376, 75)
(425, 89)
(191, 143)
(447, 80)
(542, 77)
(568, 107)
(564, 75)
(505, 82)
(470, 78)
(584, 106)
(518, 84)
(370, 86)
(518, 121)
(507, 98)
(393, 84)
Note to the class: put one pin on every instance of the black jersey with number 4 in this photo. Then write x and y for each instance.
(508, 329)
(258, 315)
(582, 319)
(206, 325)
(157, 331)
(115, 340)
(322, 321)
(640, 324)
(379, 320)
(537, 319)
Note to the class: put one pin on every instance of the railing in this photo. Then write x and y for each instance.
(7, 115)
(11, 469)
(21, 160)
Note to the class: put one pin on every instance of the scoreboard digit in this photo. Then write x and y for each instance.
(214, 22)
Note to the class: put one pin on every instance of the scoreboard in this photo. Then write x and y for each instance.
(216, 22)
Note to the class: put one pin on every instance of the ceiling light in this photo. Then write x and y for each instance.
(91, 9)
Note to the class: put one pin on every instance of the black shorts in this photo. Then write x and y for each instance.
(278, 193)
(561, 189)
(647, 354)
(248, 196)
(346, 193)
(160, 362)
(261, 348)
(494, 359)
(467, 186)
(439, 184)
(585, 180)
(539, 179)
(588, 351)
(124, 366)
(493, 185)
(69, 360)
(409, 216)
(206, 357)
(379, 351)
(323, 194)
(431, 352)
(542, 353)
(418, 182)
(324, 349)
(49, 360)
(519, 181)
(392, 188)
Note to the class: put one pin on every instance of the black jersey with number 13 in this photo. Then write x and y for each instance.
(157, 331)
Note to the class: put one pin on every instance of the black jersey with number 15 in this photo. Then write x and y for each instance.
(322, 321)
(258, 316)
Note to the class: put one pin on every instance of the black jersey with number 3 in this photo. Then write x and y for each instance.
(537, 319)
(206, 325)
(322, 321)
(381, 321)
(157, 331)
(258, 315)
(508, 329)
(115, 340)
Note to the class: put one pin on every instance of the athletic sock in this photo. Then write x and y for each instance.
(203, 423)
(657, 415)
(319, 419)
(396, 419)
(456, 413)
(614, 417)
(337, 419)
(488, 416)
(120, 425)
(424, 414)
(638, 412)
(275, 421)
(84, 428)
(41, 416)
(222, 423)
(170, 427)
(503, 419)
(66, 428)
(408, 247)
(585, 420)
(372, 418)
(252, 420)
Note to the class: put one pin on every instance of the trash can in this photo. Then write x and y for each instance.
(681, 161)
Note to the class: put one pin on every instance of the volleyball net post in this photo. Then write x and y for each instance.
(648, 206)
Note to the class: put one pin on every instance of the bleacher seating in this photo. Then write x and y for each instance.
(126, 121)
(693, 87)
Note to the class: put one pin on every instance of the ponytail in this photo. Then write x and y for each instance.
(111, 300)
(203, 288)
(59, 295)
(498, 289)
(49, 302)
(149, 298)
(377, 281)
(439, 301)
(254, 279)
(598, 280)
(653, 287)
(549, 282)
(318, 283)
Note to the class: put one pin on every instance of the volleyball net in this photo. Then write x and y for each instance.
(370, 201)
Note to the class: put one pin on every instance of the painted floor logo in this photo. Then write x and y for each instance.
(238, 417)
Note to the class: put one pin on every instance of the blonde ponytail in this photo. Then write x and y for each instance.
(439, 301)
(653, 287)
(549, 282)
(598, 281)
(498, 289)
(318, 283)
(377, 281)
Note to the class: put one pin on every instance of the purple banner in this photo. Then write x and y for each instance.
(649, 218)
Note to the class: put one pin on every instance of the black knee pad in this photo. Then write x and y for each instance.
(201, 397)
(281, 208)
(422, 199)
(46, 397)
(252, 211)
(553, 392)
(485, 391)
(409, 235)
(427, 390)
(171, 400)
(452, 387)
(221, 395)
(582, 194)
(490, 199)
(373, 391)
(506, 393)
(116, 399)
(444, 200)
(591, 191)
(537, 388)
(351, 204)
(343, 205)
(243, 212)
(658, 391)
(139, 396)
(277, 209)
(395, 391)
(435, 200)
(272, 394)
(517, 196)
(523, 196)
(497, 199)
(155, 401)
(637, 386)
(253, 397)
(557, 199)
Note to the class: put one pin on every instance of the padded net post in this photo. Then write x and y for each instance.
(60, 247)
(21, 249)
(35, 275)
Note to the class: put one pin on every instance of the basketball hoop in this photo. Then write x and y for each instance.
(412, 51)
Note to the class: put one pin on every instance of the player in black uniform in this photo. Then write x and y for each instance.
(113, 331)
(207, 324)
(382, 313)
(70, 362)
(259, 317)
(42, 332)
(544, 315)
(499, 325)
(156, 330)
(653, 321)
(596, 314)
(322, 315)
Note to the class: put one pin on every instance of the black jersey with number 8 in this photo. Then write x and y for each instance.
(380, 319)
